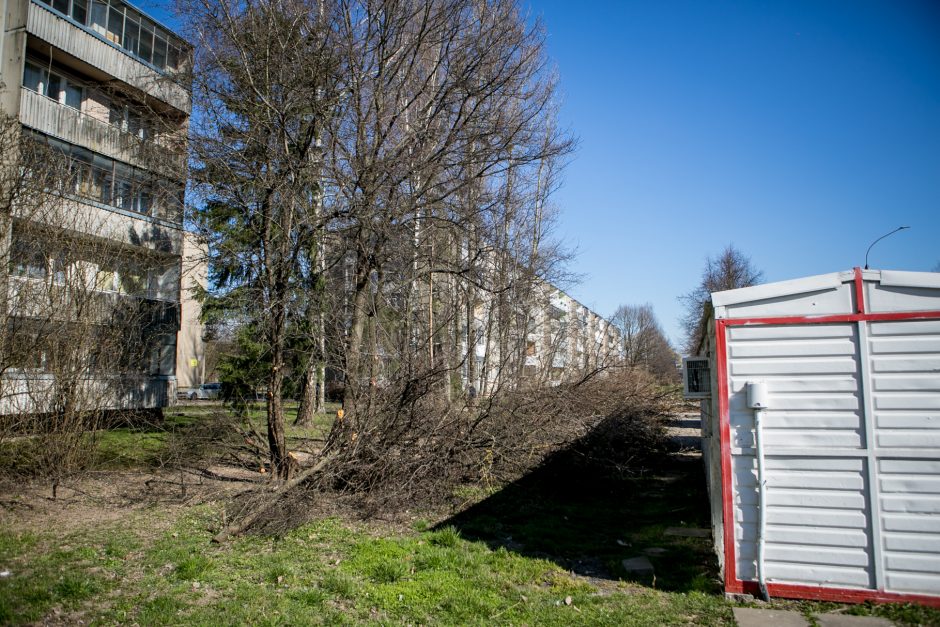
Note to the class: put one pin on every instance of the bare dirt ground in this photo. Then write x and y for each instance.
(106, 497)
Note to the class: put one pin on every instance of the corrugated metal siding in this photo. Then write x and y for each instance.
(836, 300)
(851, 438)
(893, 298)
(905, 364)
(817, 526)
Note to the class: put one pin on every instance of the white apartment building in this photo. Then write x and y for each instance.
(95, 83)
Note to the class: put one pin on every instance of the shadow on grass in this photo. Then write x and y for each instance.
(588, 519)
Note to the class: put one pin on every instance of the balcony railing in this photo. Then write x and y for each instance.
(71, 125)
(77, 40)
(26, 392)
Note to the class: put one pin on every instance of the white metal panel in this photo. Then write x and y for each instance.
(816, 506)
(813, 376)
(906, 390)
(795, 287)
(852, 434)
(905, 327)
(906, 405)
(882, 298)
(839, 300)
(816, 515)
(900, 278)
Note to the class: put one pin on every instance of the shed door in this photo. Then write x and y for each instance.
(904, 366)
(819, 528)
(852, 444)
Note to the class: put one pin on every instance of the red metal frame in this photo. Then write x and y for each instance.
(732, 583)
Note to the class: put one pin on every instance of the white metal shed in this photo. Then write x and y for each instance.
(822, 436)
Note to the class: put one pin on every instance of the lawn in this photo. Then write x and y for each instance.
(129, 543)
(323, 572)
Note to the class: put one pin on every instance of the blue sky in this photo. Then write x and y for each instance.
(799, 131)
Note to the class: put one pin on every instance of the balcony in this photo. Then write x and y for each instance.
(28, 392)
(79, 42)
(71, 125)
(124, 227)
(558, 303)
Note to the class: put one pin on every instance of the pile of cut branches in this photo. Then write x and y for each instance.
(420, 451)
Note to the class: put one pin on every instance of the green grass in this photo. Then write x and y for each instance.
(322, 572)
(515, 557)
(330, 572)
(129, 448)
(153, 446)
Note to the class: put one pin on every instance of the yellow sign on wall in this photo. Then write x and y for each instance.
(193, 363)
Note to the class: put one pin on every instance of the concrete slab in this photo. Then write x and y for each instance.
(847, 620)
(752, 617)
(638, 566)
(689, 532)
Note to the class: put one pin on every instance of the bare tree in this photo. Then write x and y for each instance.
(446, 114)
(729, 270)
(643, 341)
(374, 178)
(87, 317)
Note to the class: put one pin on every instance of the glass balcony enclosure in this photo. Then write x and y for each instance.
(128, 29)
(108, 182)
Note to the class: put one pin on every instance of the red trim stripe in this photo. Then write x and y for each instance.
(865, 317)
(724, 430)
(845, 595)
(859, 291)
(794, 591)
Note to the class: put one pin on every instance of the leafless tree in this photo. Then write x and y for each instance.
(446, 114)
(729, 270)
(86, 317)
(643, 341)
(378, 174)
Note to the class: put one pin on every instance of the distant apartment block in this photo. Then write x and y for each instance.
(95, 82)
(563, 340)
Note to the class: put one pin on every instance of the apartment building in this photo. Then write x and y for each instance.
(94, 83)
(564, 339)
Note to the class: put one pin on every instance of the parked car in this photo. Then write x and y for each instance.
(205, 392)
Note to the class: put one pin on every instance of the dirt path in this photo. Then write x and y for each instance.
(685, 430)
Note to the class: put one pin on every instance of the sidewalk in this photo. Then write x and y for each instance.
(753, 617)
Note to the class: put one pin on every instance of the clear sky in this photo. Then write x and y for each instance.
(798, 131)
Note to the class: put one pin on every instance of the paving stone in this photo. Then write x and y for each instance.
(751, 617)
(847, 620)
(689, 532)
(654, 551)
(638, 566)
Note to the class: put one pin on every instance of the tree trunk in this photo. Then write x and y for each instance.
(320, 406)
(277, 444)
(354, 343)
(309, 396)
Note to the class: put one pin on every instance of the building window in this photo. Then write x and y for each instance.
(52, 85)
(115, 32)
(99, 179)
(99, 17)
(132, 32)
(128, 120)
(28, 260)
(79, 11)
(125, 27)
